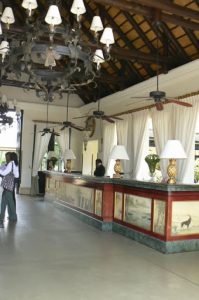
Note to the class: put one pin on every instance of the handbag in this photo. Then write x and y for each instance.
(8, 181)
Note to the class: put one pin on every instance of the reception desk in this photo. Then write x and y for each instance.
(164, 217)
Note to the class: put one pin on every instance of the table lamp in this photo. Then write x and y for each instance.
(69, 155)
(173, 150)
(118, 152)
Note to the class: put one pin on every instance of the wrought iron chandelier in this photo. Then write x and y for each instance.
(50, 55)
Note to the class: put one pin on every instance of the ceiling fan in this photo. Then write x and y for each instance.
(159, 97)
(68, 124)
(99, 114)
(47, 129)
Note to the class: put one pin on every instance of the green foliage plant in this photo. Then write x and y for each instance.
(152, 160)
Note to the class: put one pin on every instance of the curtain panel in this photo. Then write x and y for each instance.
(41, 147)
(185, 120)
(63, 140)
(122, 138)
(109, 140)
(138, 136)
(163, 124)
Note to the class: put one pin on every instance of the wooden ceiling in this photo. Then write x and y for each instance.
(137, 25)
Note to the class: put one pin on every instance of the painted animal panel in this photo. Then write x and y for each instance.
(185, 218)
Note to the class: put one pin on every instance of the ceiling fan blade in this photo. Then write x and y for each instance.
(63, 128)
(178, 102)
(159, 105)
(43, 133)
(81, 117)
(138, 97)
(117, 118)
(54, 133)
(108, 119)
(77, 127)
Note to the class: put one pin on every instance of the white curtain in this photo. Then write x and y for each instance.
(185, 120)
(41, 147)
(122, 138)
(109, 140)
(139, 133)
(163, 130)
(63, 140)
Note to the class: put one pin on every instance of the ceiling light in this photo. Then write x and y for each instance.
(8, 16)
(53, 17)
(29, 5)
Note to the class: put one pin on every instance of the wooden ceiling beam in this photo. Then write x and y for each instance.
(124, 38)
(170, 8)
(175, 42)
(193, 38)
(130, 54)
(146, 11)
(141, 34)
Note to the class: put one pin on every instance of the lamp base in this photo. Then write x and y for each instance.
(68, 165)
(171, 171)
(117, 169)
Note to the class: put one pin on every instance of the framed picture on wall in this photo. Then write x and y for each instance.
(98, 202)
(118, 201)
(159, 217)
(137, 210)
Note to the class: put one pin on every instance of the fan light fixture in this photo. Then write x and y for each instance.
(34, 50)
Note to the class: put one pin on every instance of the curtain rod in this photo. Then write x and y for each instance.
(153, 105)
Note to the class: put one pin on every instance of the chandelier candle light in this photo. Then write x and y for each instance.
(118, 152)
(173, 150)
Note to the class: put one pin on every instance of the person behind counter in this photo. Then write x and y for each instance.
(100, 169)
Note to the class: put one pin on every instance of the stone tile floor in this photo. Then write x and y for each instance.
(49, 254)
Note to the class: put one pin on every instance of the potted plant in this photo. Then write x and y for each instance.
(152, 160)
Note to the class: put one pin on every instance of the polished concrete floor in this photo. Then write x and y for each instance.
(50, 254)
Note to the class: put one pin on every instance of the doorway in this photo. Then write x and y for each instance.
(89, 157)
(10, 138)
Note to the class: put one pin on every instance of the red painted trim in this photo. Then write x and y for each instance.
(152, 214)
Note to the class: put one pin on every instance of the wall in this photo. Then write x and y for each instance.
(38, 112)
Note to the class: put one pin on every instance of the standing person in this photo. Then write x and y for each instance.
(7, 195)
(14, 158)
(100, 169)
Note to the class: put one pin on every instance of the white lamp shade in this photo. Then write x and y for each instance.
(0, 29)
(78, 7)
(173, 149)
(8, 16)
(4, 47)
(98, 56)
(53, 16)
(29, 4)
(69, 154)
(107, 37)
(96, 24)
(119, 152)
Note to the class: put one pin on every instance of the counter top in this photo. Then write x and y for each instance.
(128, 182)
